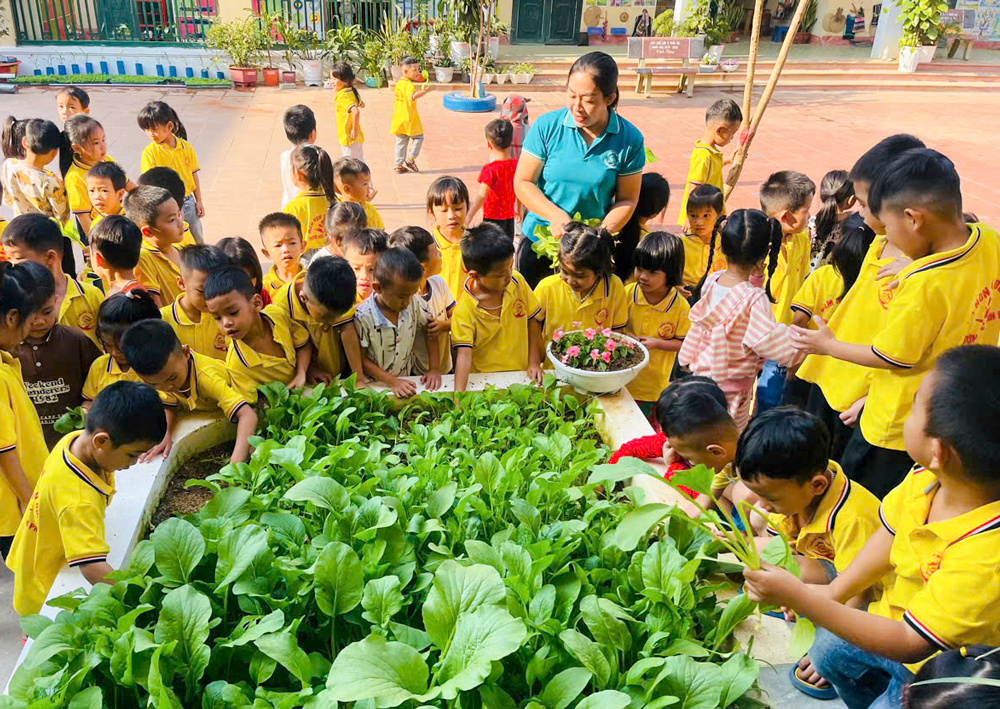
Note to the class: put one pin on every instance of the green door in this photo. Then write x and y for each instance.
(546, 21)
(528, 16)
(564, 22)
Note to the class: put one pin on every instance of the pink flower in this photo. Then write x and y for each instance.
(590, 333)
(557, 335)
(629, 344)
(595, 355)
(565, 359)
(606, 356)
(610, 345)
(572, 351)
(606, 332)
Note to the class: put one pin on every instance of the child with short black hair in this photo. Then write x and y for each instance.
(65, 522)
(242, 254)
(405, 124)
(353, 182)
(495, 326)
(496, 179)
(300, 129)
(447, 206)
(654, 196)
(159, 218)
(722, 122)
(198, 382)
(106, 183)
(168, 179)
(115, 244)
(361, 250)
(28, 187)
(283, 242)
(71, 100)
(188, 315)
(312, 174)
(341, 219)
(702, 256)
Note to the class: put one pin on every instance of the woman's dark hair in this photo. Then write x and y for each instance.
(316, 167)
(76, 131)
(42, 136)
(746, 237)
(120, 310)
(13, 133)
(654, 196)
(342, 218)
(342, 71)
(446, 189)
(242, 253)
(849, 252)
(76, 92)
(705, 196)
(17, 291)
(158, 113)
(972, 661)
(785, 443)
(603, 69)
(836, 191)
(587, 247)
(661, 251)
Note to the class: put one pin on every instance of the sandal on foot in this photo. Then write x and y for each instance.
(401, 169)
(411, 165)
(823, 693)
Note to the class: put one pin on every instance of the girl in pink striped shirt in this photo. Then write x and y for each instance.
(732, 327)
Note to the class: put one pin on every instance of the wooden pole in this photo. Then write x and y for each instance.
(758, 11)
(741, 154)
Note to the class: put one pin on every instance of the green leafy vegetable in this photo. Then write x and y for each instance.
(72, 420)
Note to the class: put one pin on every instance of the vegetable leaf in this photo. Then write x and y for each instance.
(388, 672)
(481, 636)
(178, 547)
(184, 619)
(339, 579)
(456, 589)
(566, 686)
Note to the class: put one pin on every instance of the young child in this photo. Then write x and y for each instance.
(722, 123)
(169, 148)
(361, 251)
(654, 196)
(701, 257)
(312, 173)
(438, 300)
(65, 522)
(353, 182)
(115, 243)
(390, 320)
(54, 359)
(515, 110)
(106, 183)
(243, 255)
(300, 129)
(936, 550)
(281, 239)
(836, 194)
(405, 123)
(348, 105)
(342, 219)
(188, 315)
(86, 146)
(732, 327)
(496, 179)
(964, 667)
(159, 218)
(945, 298)
(495, 327)
(447, 206)
(586, 292)
(199, 383)
(168, 179)
(322, 301)
(28, 187)
(657, 313)
(33, 237)
(70, 101)
(265, 344)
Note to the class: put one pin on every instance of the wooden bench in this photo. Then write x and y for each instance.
(675, 53)
(685, 78)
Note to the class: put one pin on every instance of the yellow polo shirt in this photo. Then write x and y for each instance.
(705, 168)
(405, 119)
(945, 584)
(344, 102)
(203, 337)
(79, 308)
(820, 294)
(452, 268)
(157, 273)
(789, 275)
(210, 388)
(667, 320)
(856, 319)
(372, 217)
(180, 158)
(499, 340)
(96, 216)
(845, 519)
(249, 369)
(696, 259)
(21, 431)
(64, 524)
(561, 308)
(310, 209)
(273, 283)
(325, 337)
(77, 195)
(105, 371)
(943, 300)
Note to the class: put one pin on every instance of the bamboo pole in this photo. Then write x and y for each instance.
(758, 11)
(741, 154)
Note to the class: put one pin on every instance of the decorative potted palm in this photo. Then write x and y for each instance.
(242, 40)
(311, 55)
(522, 72)
(343, 44)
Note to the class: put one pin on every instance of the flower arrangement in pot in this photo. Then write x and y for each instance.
(243, 41)
(596, 361)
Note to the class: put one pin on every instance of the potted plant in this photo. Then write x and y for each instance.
(597, 361)
(242, 41)
(699, 23)
(523, 71)
(395, 37)
(663, 24)
(290, 37)
(709, 63)
(373, 58)
(921, 27)
(344, 43)
(804, 34)
(270, 71)
(310, 54)
(444, 68)
(730, 16)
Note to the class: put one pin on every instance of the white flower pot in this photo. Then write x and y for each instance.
(926, 53)
(504, 78)
(494, 47)
(707, 68)
(312, 72)
(444, 74)
(716, 50)
(459, 51)
(598, 382)
(522, 78)
(908, 59)
(488, 78)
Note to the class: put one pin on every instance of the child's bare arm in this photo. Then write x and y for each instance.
(246, 424)
(199, 204)
(654, 343)
(535, 350)
(352, 350)
(463, 365)
(432, 378)
(402, 388)
(96, 572)
(303, 356)
(13, 473)
(164, 446)
(800, 318)
(477, 202)
(422, 92)
(823, 341)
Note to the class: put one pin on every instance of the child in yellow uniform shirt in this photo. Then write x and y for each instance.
(936, 551)
(405, 123)
(265, 346)
(353, 181)
(282, 241)
(657, 313)
(34, 237)
(159, 218)
(114, 247)
(495, 327)
(64, 524)
(188, 315)
(348, 105)
(106, 183)
(448, 206)
(722, 122)
(702, 255)
(312, 174)
(361, 250)
(88, 147)
(585, 293)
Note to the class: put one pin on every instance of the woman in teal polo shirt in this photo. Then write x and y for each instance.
(583, 158)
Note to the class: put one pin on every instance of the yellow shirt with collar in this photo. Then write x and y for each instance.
(310, 209)
(561, 309)
(498, 339)
(77, 195)
(667, 320)
(79, 308)
(344, 102)
(789, 275)
(63, 524)
(96, 216)
(181, 159)
(844, 520)
(943, 300)
(696, 259)
(105, 371)
(273, 283)
(158, 273)
(325, 337)
(20, 431)
(248, 368)
(819, 295)
(405, 119)
(203, 337)
(705, 168)
(452, 267)
(210, 388)
(372, 218)
(945, 584)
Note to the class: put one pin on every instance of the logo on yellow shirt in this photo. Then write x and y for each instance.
(85, 321)
(982, 312)
(220, 342)
(818, 547)
(601, 316)
(666, 330)
(519, 308)
(928, 568)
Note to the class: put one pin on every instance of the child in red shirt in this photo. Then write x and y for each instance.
(496, 180)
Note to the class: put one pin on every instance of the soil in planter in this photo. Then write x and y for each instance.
(630, 360)
(178, 500)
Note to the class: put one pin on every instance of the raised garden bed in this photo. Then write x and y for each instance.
(195, 82)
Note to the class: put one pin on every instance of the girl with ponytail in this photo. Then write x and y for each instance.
(733, 330)
(312, 174)
(837, 194)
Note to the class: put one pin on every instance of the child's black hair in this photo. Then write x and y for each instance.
(654, 196)
(726, 110)
(332, 282)
(17, 287)
(416, 239)
(397, 266)
(343, 218)
(661, 251)
(228, 280)
(13, 135)
(747, 237)
(785, 443)
(588, 247)
(786, 189)
(76, 131)
(42, 136)
(75, 92)
(446, 190)
(35, 232)
(971, 662)
(316, 168)
(129, 412)
(347, 168)
(848, 254)
(500, 133)
(119, 311)
(117, 240)
(242, 254)
(109, 170)
(835, 192)
(147, 345)
(342, 71)
(299, 122)
(603, 70)
(143, 204)
(409, 61)
(704, 196)
(168, 179)
(159, 113)
(43, 284)
(366, 241)
(484, 246)
(279, 219)
(918, 177)
(203, 258)
(869, 165)
(691, 404)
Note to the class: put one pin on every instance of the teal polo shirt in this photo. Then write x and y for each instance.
(578, 178)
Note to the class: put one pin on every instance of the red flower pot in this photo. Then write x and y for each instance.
(243, 77)
(288, 77)
(270, 76)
